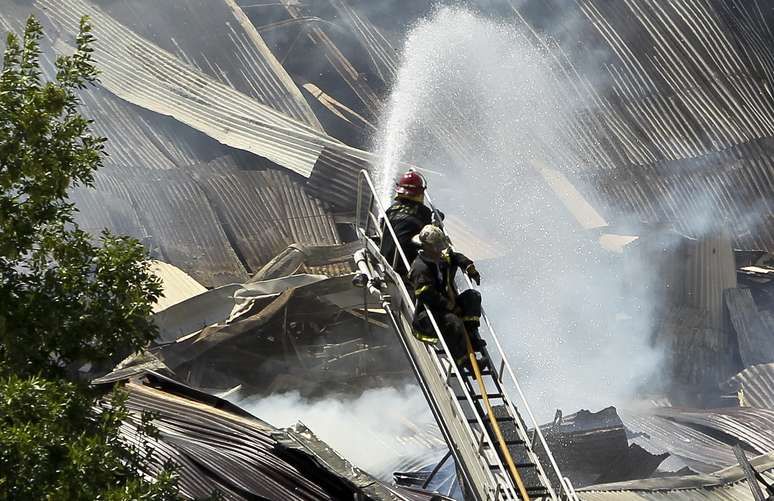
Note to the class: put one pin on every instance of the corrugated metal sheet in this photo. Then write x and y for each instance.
(689, 276)
(688, 272)
(727, 485)
(217, 445)
(148, 76)
(734, 186)
(329, 260)
(237, 454)
(339, 466)
(263, 212)
(177, 285)
(99, 209)
(684, 131)
(184, 226)
(754, 333)
(710, 269)
(700, 451)
(137, 137)
(345, 69)
(686, 74)
(215, 221)
(305, 217)
(196, 313)
(218, 40)
(751, 426)
(697, 354)
(756, 384)
(335, 175)
(382, 53)
(251, 222)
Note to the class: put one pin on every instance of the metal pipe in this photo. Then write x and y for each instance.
(436, 470)
(362, 265)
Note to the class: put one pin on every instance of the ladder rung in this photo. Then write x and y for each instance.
(479, 397)
(489, 395)
(503, 419)
(517, 465)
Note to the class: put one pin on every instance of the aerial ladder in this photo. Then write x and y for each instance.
(495, 455)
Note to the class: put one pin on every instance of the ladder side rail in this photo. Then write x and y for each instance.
(442, 371)
(572, 494)
(430, 399)
(536, 426)
(509, 370)
(483, 438)
(523, 435)
(364, 177)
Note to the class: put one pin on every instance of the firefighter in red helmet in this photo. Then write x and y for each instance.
(408, 215)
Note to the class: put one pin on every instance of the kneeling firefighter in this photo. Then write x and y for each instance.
(432, 276)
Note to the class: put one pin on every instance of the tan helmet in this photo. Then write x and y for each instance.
(432, 236)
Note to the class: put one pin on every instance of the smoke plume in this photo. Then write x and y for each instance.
(376, 431)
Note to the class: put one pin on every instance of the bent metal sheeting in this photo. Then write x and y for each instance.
(142, 73)
(684, 129)
(219, 40)
(219, 446)
(726, 485)
(755, 386)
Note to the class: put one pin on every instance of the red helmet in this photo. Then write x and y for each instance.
(411, 183)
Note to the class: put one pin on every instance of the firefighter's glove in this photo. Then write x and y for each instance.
(438, 217)
(474, 274)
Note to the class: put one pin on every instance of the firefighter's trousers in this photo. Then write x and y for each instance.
(454, 328)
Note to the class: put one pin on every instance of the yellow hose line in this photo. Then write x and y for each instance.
(495, 425)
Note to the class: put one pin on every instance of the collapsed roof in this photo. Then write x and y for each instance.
(227, 158)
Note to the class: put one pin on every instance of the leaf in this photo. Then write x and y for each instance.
(65, 301)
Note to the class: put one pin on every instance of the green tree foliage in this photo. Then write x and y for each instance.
(64, 300)
(55, 446)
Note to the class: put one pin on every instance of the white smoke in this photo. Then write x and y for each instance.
(375, 431)
(557, 299)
